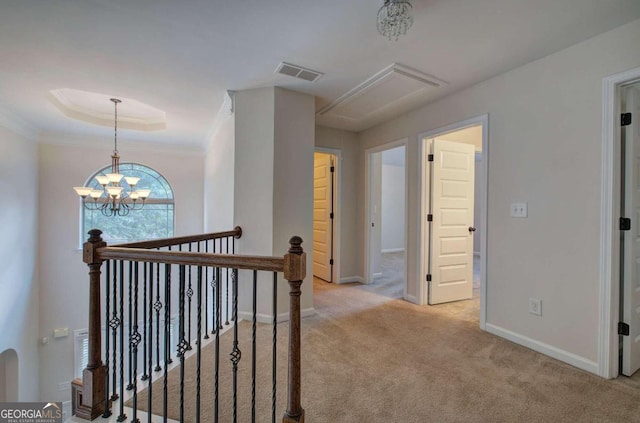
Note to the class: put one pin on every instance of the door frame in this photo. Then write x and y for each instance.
(404, 142)
(423, 228)
(337, 189)
(610, 195)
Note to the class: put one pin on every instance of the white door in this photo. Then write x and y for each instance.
(322, 209)
(451, 247)
(631, 294)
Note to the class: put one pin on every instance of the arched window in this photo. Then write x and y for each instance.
(154, 221)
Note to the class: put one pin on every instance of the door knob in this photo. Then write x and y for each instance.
(472, 229)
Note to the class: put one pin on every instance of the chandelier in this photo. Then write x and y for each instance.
(118, 195)
(394, 18)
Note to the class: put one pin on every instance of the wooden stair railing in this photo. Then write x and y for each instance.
(91, 396)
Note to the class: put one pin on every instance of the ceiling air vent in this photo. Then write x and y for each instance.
(298, 72)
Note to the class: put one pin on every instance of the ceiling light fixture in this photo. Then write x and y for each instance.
(113, 199)
(395, 18)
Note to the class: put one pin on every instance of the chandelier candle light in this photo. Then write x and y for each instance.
(394, 18)
(113, 199)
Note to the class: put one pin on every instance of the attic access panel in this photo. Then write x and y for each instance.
(394, 88)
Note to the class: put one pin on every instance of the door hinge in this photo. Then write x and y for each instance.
(333, 169)
(623, 329)
(430, 157)
(625, 224)
(625, 119)
(428, 277)
(331, 262)
(429, 218)
(331, 215)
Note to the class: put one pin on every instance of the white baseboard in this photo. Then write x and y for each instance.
(412, 299)
(392, 250)
(349, 279)
(546, 349)
(268, 318)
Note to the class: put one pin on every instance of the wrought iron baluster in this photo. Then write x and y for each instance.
(150, 357)
(235, 353)
(167, 340)
(214, 292)
(199, 341)
(226, 304)
(134, 340)
(114, 323)
(189, 295)
(157, 306)
(107, 290)
(206, 295)
(220, 287)
(145, 276)
(130, 384)
(274, 345)
(167, 358)
(217, 349)
(253, 346)
(183, 345)
(122, 417)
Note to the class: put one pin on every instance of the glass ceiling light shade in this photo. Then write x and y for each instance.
(114, 199)
(395, 18)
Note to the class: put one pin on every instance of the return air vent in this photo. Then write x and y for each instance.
(298, 72)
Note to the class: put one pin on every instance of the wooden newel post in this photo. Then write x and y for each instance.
(94, 375)
(294, 271)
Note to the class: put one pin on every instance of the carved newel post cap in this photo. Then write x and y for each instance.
(94, 235)
(296, 245)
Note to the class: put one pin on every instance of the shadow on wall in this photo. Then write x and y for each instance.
(9, 376)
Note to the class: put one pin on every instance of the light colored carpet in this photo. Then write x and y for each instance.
(371, 357)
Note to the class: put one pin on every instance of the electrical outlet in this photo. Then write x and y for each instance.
(519, 210)
(535, 306)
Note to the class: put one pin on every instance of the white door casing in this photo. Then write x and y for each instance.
(631, 270)
(452, 198)
(322, 204)
(375, 215)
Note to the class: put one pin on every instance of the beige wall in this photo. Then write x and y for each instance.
(273, 184)
(544, 148)
(219, 177)
(351, 199)
(293, 182)
(60, 259)
(19, 286)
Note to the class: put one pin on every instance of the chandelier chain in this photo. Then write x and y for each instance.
(115, 125)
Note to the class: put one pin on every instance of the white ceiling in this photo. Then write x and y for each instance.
(182, 56)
